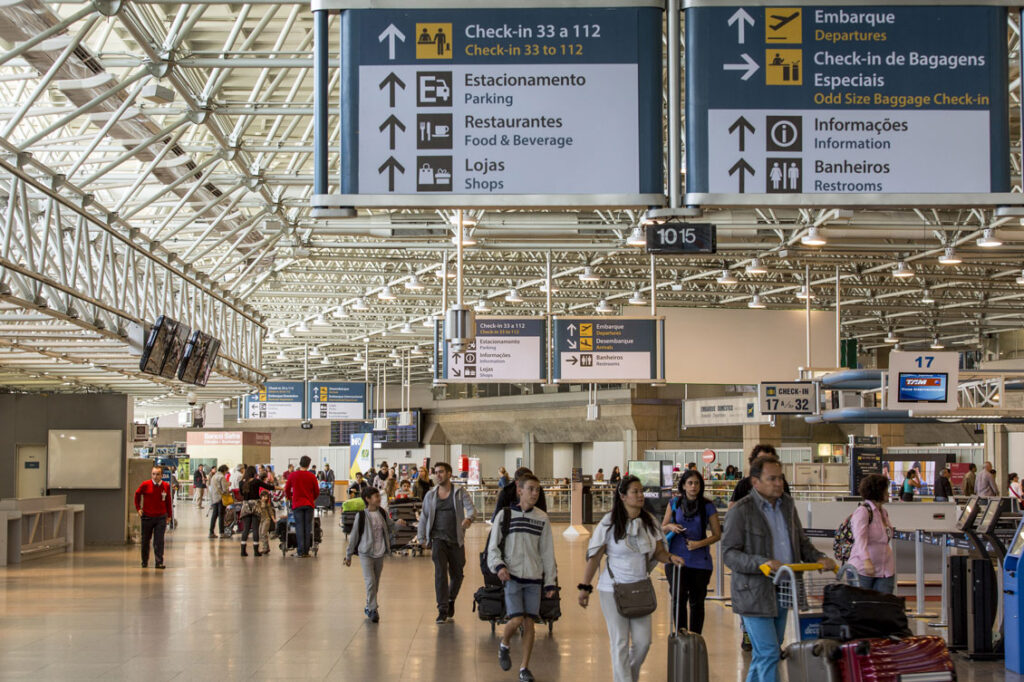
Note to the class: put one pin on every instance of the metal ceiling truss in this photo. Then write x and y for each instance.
(122, 200)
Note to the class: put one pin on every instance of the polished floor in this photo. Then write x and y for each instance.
(213, 615)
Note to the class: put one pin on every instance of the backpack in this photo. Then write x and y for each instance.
(491, 578)
(842, 546)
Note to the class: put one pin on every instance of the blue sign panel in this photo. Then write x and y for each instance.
(603, 349)
(858, 100)
(336, 400)
(505, 349)
(276, 400)
(442, 103)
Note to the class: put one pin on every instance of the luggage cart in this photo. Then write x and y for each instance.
(801, 589)
(405, 536)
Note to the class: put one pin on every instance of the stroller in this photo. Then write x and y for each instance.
(233, 516)
(289, 540)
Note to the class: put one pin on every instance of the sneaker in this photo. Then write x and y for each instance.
(504, 659)
(374, 616)
(212, 536)
(441, 618)
(451, 610)
(161, 566)
(145, 564)
(366, 612)
(525, 675)
(745, 643)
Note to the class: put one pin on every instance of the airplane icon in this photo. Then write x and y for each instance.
(782, 21)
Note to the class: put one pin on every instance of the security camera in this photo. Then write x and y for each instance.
(191, 397)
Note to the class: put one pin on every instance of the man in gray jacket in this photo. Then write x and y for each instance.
(763, 528)
(447, 512)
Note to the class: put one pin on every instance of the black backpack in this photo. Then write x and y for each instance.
(491, 578)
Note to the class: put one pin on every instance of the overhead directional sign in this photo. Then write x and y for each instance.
(788, 397)
(337, 400)
(441, 104)
(840, 105)
(505, 349)
(276, 400)
(591, 349)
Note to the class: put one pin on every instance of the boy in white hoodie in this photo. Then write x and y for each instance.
(526, 565)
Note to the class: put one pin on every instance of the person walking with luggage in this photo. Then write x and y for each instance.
(447, 513)
(199, 486)
(218, 490)
(510, 494)
(525, 563)
(154, 504)
(633, 542)
(687, 520)
(871, 554)
(301, 491)
(371, 540)
(762, 528)
(251, 487)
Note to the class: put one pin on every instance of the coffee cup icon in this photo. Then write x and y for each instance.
(441, 131)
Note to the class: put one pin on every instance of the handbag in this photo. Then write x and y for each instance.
(227, 499)
(633, 600)
(249, 507)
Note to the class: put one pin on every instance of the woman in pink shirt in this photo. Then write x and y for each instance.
(872, 537)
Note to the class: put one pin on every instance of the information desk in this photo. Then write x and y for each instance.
(39, 526)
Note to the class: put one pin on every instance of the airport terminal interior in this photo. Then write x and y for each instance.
(590, 238)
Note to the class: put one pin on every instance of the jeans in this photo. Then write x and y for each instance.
(869, 582)
(371, 577)
(153, 528)
(216, 514)
(449, 560)
(766, 635)
(693, 589)
(303, 529)
(630, 639)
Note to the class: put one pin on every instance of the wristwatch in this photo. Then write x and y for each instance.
(585, 587)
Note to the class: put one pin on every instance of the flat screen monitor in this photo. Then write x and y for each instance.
(666, 474)
(175, 351)
(197, 362)
(995, 509)
(155, 350)
(916, 387)
(649, 473)
(970, 512)
(1018, 542)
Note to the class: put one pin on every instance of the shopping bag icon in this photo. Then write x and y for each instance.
(426, 175)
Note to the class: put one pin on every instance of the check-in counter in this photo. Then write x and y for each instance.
(40, 526)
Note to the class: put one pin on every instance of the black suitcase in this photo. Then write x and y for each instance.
(813, 660)
(324, 501)
(347, 519)
(852, 612)
(489, 604)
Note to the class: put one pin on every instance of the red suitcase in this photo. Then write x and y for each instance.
(914, 659)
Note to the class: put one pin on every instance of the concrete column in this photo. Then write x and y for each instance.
(997, 451)
(754, 434)
(527, 451)
(889, 435)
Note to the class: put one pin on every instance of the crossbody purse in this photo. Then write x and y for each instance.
(633, 600)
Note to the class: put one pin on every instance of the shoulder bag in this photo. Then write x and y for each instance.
(633, 600)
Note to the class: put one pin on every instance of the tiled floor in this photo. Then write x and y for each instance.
(216, 616)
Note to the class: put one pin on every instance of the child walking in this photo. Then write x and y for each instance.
(525, 562)
(265, 513)
(371, 540)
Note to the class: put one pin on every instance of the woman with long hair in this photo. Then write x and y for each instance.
(615, 476)
(910, 484)
(687, 520)
(633, 543)
(250, 488)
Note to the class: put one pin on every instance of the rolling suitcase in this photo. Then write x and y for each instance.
(687, 652)
(885, 660)
(813, 660)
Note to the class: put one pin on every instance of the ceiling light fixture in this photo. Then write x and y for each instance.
(727, 278)
(602, 308)
(926, 296)
(281, 356)
(636, 237)
(413, 283)
(988, 239)
(813, 238)
(286, 333)
(804, 293)
(321, 321)
(949, 257)
(481, 306)
(1020, 279)
(891, 337)
(755, 302)
(902, 270)
(936, 344)
(754, 267)
(385, 293)
(513, 296)
(325, 361)
(360, 304)
(406, 329)
(314, 352)
(416, 350)
(467, 237)
(428, 322)
(340, 313)
(588, 275)
(303, 328)
(637, 299)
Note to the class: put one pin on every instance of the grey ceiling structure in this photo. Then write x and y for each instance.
(156, 158)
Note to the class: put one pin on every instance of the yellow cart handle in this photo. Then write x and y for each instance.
(796, 568)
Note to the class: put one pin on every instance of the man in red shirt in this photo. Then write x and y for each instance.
(154, 503)
(301, 490)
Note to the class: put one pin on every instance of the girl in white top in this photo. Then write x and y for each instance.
(634, 544)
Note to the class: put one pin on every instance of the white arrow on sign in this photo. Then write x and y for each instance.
(571, 329)
(389, 34)
(743, 19)
(572, 344)
(750, 67)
